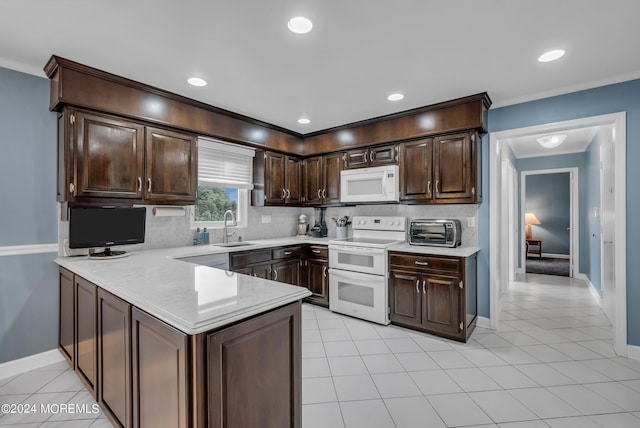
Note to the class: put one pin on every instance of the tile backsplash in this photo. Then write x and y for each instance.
(163, 232)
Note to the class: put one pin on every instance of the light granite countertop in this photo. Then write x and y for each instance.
(189, 297)
(436, 251)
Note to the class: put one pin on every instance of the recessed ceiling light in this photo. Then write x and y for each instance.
(551, 141)
(304, 121)
(395, 97)
(196, 81)
(300, 25)
(551, 55)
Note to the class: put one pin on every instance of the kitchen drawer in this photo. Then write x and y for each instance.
(430, 263)
(245, 258)
(286, 252)
(318, 252)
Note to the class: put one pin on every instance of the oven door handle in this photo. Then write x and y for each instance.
(348, 275)
(358, 250)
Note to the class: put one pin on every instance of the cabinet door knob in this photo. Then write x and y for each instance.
(72, 188)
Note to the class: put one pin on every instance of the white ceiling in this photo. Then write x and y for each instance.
(577, 141)
(359, 51)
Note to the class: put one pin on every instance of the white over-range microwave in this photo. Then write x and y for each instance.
(377, 184)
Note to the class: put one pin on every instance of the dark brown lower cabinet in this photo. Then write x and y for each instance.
(317, 266)
(66, 319)
(87, 333)
(254, 378)
(145, 373)
(434, 294)
(114, 358)
(160, 376)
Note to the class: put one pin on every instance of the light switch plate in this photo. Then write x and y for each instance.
(471, 222)
(266, 218)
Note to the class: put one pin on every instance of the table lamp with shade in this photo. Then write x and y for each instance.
(529, 219)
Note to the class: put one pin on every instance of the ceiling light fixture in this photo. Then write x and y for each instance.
(304, 121)
(300, 25)
(196, 81)
(551, 141)
(551, 55)
(395, 97)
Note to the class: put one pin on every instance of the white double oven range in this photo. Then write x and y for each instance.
(358, 267)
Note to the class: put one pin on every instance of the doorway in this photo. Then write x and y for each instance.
(499, 255)
(550, 198)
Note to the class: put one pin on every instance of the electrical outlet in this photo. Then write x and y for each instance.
(471, 222)
(266, 218)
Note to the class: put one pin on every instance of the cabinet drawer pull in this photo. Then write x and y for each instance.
(275, 275)
(424, 282)
(319, 194)
(288, 253)
(316, 251)
(365, 157)
(324, 193)
(324, 271)
(72, 188)
(372, 156)
(284, 193)
(139, 184)
(421, 263)
(288, 194)
(417, 285)
(149, 184)
(429, 186)
(255, 274)
(437, 185)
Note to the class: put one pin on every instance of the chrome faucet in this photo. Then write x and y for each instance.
(226, 235)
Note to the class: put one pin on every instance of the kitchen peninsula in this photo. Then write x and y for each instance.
(163, 342)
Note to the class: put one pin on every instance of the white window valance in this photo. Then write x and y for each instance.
(224, 164)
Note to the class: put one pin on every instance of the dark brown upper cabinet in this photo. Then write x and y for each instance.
(371, 156)
(445, 169)
(171, 165)
(321, 176)
(277, 179)
(107, 159)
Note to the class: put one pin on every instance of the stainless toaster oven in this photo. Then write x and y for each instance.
(441, 233)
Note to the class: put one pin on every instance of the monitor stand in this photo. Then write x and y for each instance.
(107, 254)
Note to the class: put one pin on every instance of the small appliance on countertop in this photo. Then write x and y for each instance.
(319, 229)
(437, 233)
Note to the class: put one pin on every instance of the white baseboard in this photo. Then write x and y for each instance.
(594, 292)
(556, 256)
(633, 352)
(483, 322)
(32, 362)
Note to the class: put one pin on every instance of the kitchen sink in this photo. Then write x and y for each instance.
(234, 244)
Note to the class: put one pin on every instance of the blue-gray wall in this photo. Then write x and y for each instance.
(28, 283)
(621, 97)
(574, 160)
(548, 196)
